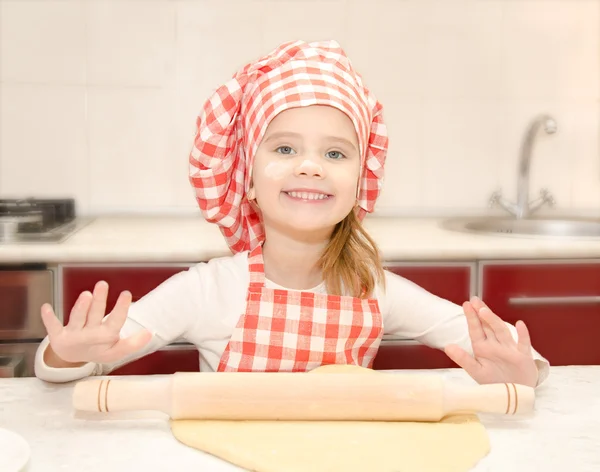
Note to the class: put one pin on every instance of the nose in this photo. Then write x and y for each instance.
(309, 168)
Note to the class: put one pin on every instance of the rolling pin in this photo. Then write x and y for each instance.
(299, 396)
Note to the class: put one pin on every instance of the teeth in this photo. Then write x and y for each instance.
(307, 196)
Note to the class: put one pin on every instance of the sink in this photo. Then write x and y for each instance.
(523, 220)
(544, 227)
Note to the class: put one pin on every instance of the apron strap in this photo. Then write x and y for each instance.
(256, 267)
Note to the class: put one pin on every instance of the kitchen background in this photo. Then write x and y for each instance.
(99, 98)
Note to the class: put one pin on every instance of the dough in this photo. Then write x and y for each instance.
(456, 443)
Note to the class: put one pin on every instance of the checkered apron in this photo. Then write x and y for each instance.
(295, 331)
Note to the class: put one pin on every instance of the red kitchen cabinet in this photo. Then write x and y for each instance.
(558, 301)
(410, 355)
(454, 282)
(139, 280)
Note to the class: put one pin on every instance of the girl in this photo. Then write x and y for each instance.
(287, 159)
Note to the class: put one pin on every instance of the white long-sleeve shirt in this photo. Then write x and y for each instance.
(203, 304)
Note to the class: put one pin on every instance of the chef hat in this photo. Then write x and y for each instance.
(235, 118)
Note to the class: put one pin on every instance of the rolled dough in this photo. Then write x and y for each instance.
(456, 443)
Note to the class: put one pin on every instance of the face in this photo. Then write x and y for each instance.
(306, 169)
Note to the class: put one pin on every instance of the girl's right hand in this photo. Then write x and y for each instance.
(89, 336)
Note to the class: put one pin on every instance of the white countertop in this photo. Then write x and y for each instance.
(563, 434)
(190, 239)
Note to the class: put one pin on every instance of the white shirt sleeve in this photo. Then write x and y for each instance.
(411, 312)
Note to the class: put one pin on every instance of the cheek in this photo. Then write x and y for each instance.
(277, 170)
(268, 179)
(348, 178)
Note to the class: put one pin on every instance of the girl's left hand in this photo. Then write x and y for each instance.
(496, 358)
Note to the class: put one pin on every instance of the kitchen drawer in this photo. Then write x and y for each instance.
(452, 281)
(168, 360)
(559, 302)
(139, 280)
(410, 355)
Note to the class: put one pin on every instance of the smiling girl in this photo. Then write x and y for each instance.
(287, 160)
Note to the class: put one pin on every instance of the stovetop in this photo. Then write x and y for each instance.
(38, 220)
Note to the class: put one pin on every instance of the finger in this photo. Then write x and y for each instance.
(463, 359)
(524, 344)
(98, 308)
(117, 317)
(473, 323)
(79, 312)
(478, 305)
(50, 320)
(127, 346)
(497, 325)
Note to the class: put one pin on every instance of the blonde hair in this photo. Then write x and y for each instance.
(351, 261)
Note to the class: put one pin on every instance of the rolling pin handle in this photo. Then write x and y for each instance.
(108, 395)
(498, 398)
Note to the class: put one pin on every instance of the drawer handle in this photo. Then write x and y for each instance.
(579, 300)
(399, 342)
(179, 347)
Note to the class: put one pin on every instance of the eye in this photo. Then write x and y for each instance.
(284, 150)
(335, 155)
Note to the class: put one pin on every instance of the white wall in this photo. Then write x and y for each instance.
(99, 97)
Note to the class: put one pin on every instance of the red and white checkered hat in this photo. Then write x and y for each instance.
(235, 118)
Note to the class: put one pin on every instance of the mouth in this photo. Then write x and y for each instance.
(308, 196)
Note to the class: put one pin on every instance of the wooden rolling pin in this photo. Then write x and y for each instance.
(300, 396)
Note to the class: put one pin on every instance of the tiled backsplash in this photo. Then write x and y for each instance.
(99, 97)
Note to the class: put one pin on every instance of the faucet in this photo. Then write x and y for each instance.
(523, 208)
